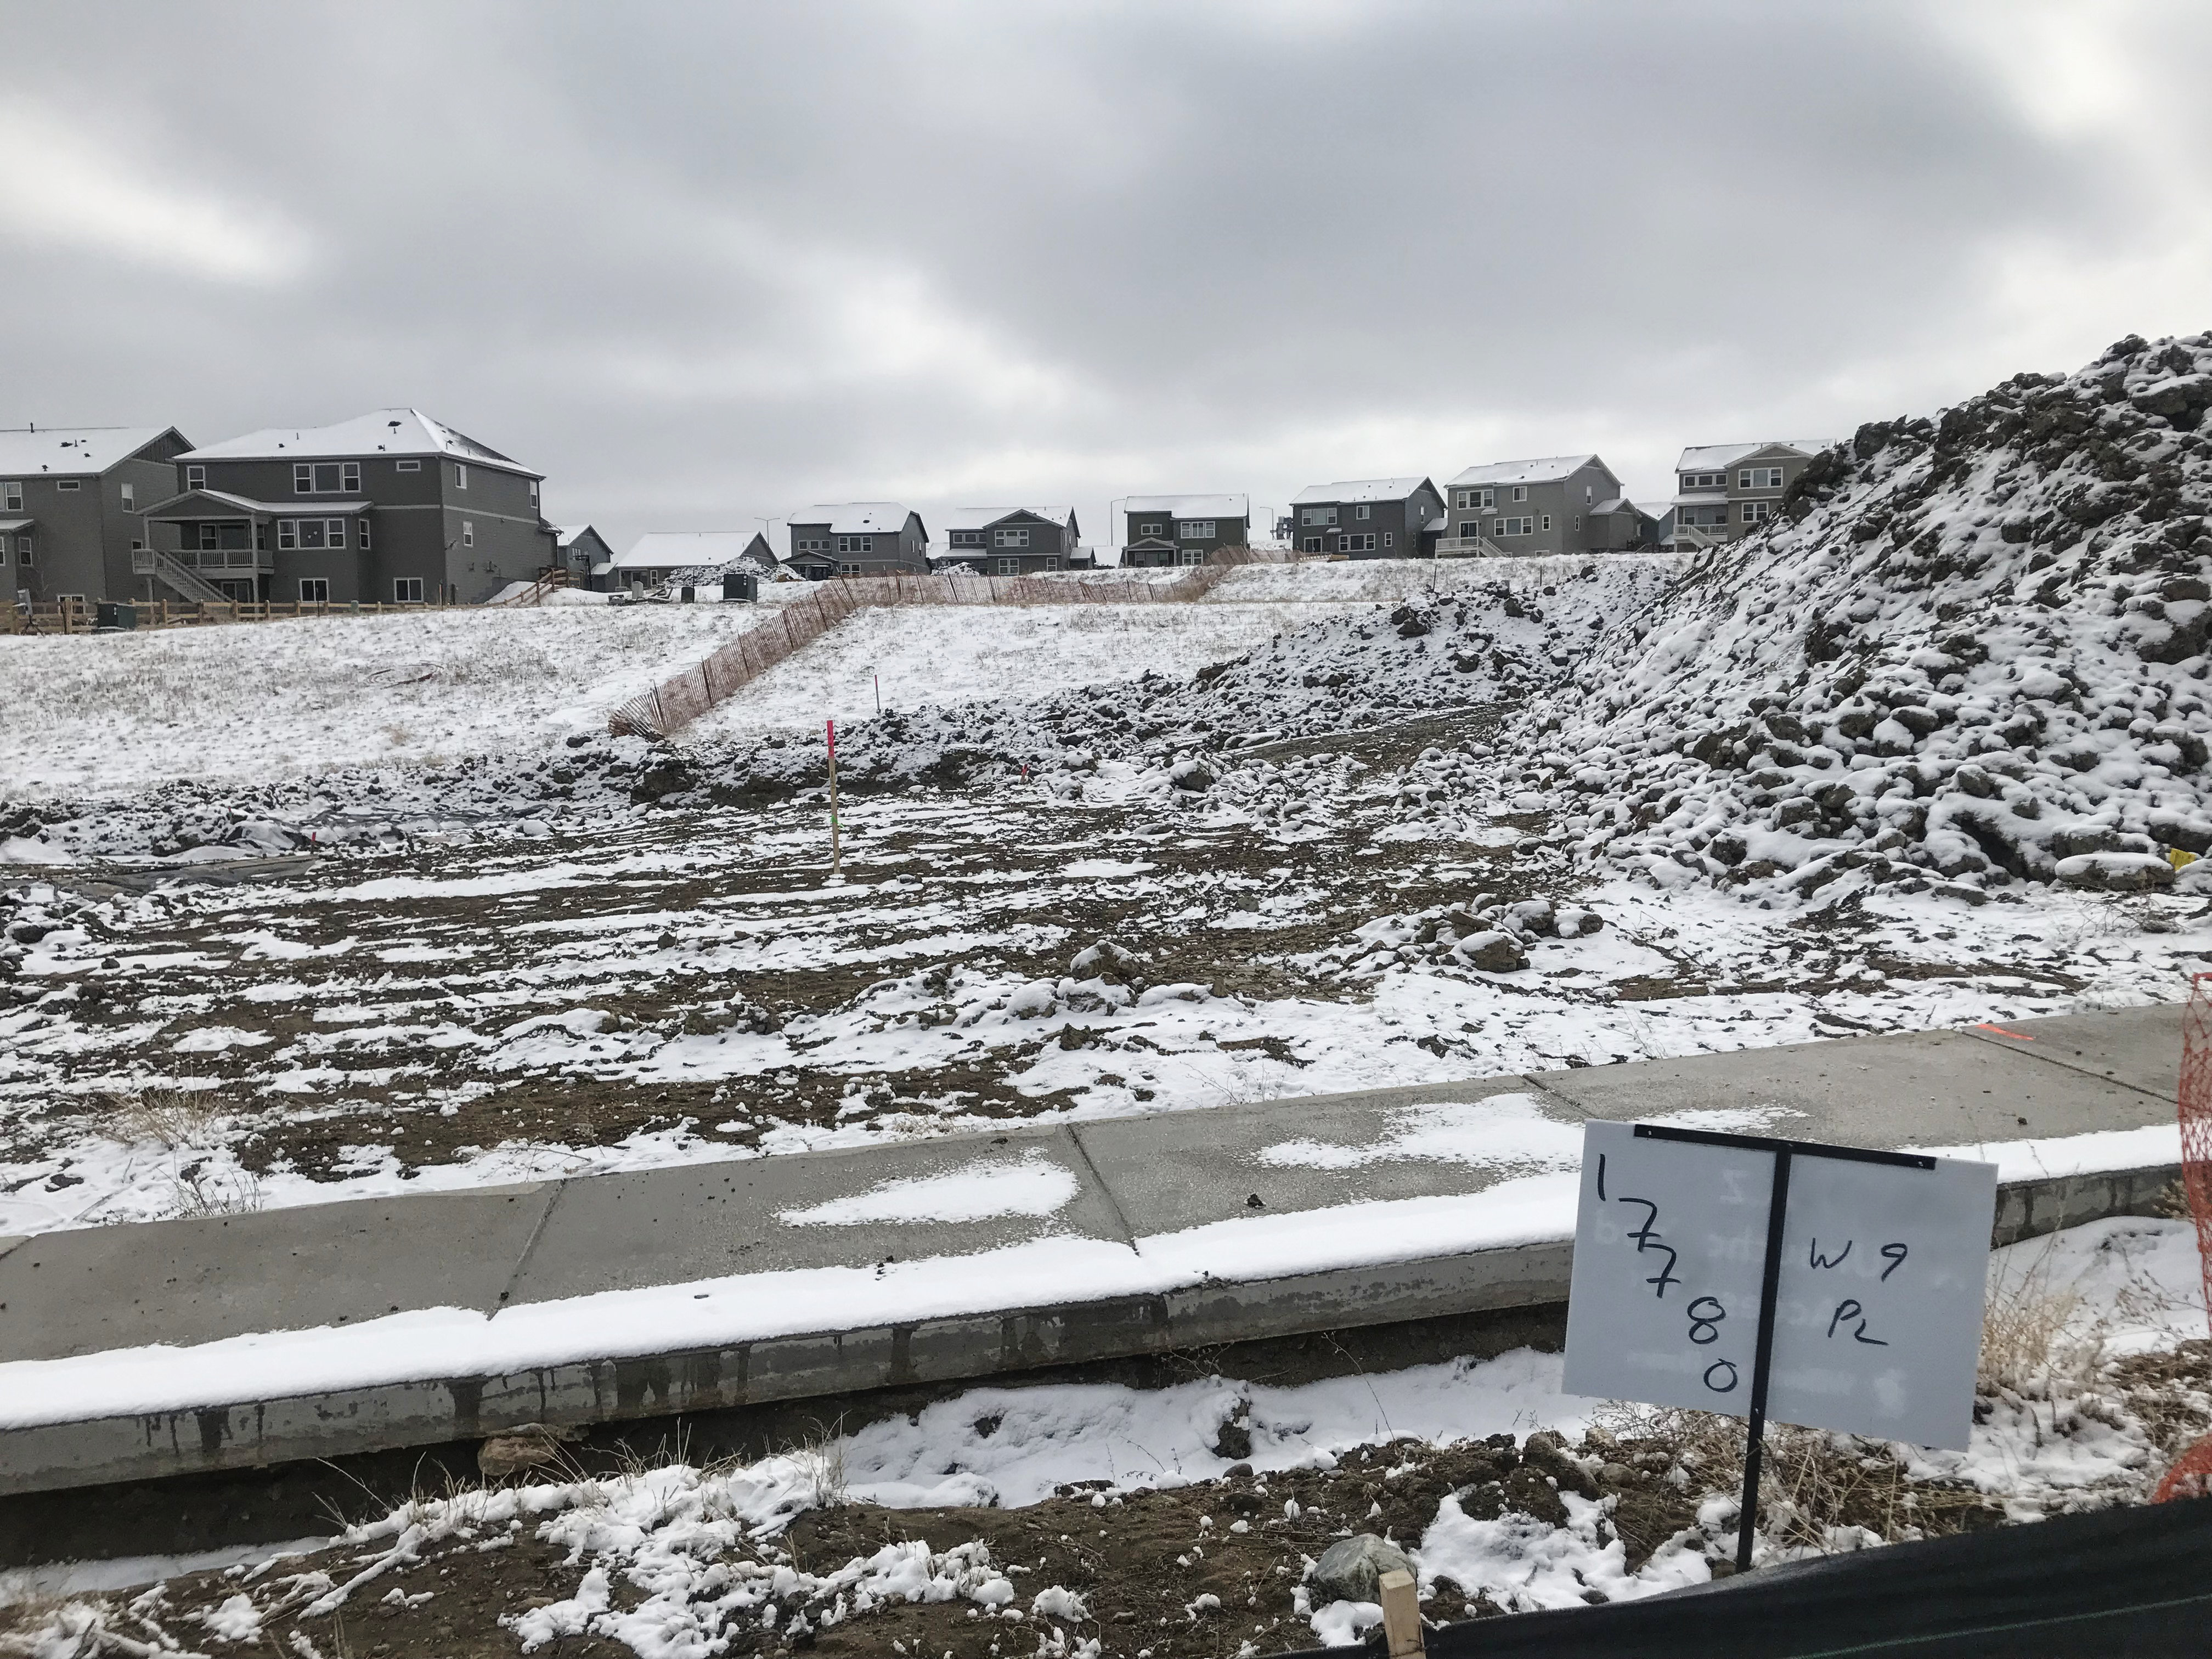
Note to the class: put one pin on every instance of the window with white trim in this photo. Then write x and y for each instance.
(1310, 545)
(821, 545)
(196, 477)
(1352, 542)
(1758, 511)
(11, 495)
(1365, 510)
(849, 544)
(303, 534)
(1152, 530)
(1052, 561)
(468, 533)
(533, 492)
(407, 590)
(130, 498)
(1520, 492)
(1477, 500)
(1010, 538)
(966, 539)
(360, 533)
(849, 570)
(68, 483)
(1578, 524)
(1005, 567)
(326, 478)
(1389, 538)
(1521, 525)
(1705, 480)
(314, 590)
(407, 466)
(460, 476)
(1190, 555)
(1196, 530)
(1758, 478)
(25, 555)
(1546, 522)
(1318, 515)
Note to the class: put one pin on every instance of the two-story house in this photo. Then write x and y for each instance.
(391, 507)
(72, 506)
(694, 557)
(1368, 519)
(1010, 541)
(1725, 491)
(580, 550)
(1157, 529)
(857, 538)
(1554, 504)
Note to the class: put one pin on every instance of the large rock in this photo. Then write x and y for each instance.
(1493, 952)
(2117, 872)
(1349, 1568)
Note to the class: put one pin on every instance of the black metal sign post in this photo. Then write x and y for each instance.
(1777, 1213)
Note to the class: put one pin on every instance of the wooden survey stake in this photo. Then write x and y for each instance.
(830, 727)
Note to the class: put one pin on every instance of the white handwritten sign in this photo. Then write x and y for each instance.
(1877, 1304)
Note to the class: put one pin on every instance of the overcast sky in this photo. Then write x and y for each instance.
(705, 264)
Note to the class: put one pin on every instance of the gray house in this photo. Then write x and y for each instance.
(72, 505)
(391, 507)
(1369, 518)
(857, 538)
(1727, 490)
(1555, 504)
(1011, 541)
(700, 557)
(1160, 529)
(580, 550)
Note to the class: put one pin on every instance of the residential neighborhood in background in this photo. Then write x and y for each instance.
(395, 508)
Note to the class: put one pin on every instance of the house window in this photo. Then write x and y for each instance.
(314, 590)
(849, 570)
(1010, 538)
(1153, 530)
(1758, 478)
(1705, 480)
(361, 531)
(533, 492)
(1389, 538)
(1520, 492)
(326, 478)
(1547, 524)
(1005, 567)
(1477, 499)
(407, 466)
(68, 483)
(1365, 511)
(1349, 542)
(1318, 515)
(1052, 563)
(407, 590)
(1514, 526)
(460, 477)
(966, 538)
(468, 533)
(1310, 545)
(1589, 494)
(850, 544)
(1196, 530)
(821, 545)
(1758, 511)
(195, 479)
(130, 498)
(1578, 524)
(304, 534)
(1470, 529)
(11, 495)
(24, 554)
(1190, 555)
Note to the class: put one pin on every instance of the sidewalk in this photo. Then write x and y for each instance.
(178, 1345)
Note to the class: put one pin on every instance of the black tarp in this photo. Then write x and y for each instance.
(2124, 1583)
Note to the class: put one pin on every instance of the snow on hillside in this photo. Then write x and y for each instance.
(108, 714)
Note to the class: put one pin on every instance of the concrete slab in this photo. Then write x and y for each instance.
(1928, 1089)
(195, 1281)
(2139, 1047)
(1182, 1170)
(852, 1207)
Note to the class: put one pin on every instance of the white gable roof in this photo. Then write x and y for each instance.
(565, 535)
(982, 517)
(854, 517)
(1358, 490)
(1710, 457)
(65, 449)
(1548, 469)
(683, 550)
(383, 431)
(1189, 507)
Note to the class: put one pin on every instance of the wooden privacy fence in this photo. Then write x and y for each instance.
(681, 699)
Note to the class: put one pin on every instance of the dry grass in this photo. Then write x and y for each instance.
(190, 1129)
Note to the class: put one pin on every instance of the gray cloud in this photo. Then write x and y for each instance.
(704, 264)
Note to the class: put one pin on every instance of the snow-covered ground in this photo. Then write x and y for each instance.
(111, 714)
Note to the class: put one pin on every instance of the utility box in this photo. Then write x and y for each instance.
(740, 585)
(687, 594)
(114, 618)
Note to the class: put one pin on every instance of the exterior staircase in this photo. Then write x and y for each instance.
(179, 578)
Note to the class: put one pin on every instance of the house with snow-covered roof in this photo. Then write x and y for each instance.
(857, 538)
(1549, 504)
(580, 549)
(1011, 541)
(391, 507)
(1368, 518)
(689, 557)
(1159, 530)
(1725, 491)
(72, 501)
